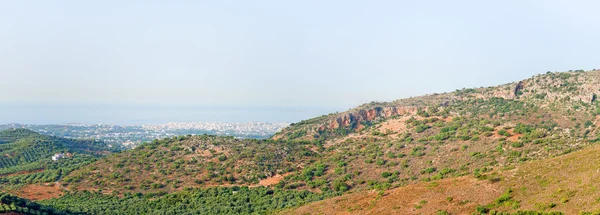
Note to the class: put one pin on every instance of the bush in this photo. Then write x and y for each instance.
(421, 128)
(517, 144)
(341, 186)
(523, 128)
(503, 133)
(386, 174)
(428, 170)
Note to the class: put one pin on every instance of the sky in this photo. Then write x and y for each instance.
(320, 54)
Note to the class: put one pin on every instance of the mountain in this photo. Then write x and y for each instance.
(492, 150)
(559, 93)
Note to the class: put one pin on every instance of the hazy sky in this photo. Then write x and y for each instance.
(282, 53)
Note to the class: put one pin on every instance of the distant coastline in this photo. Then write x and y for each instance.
(138, 115)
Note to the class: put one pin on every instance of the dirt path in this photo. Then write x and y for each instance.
(57, 183)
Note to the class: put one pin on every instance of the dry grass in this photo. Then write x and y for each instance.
(456, 196)
(570, 181)
(38, 192)
(567, 183)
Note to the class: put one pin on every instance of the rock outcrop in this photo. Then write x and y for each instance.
(353, 118)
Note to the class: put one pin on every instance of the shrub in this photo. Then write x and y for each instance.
(341, 186)
(386, 174)
(421, 128)
(503, 133)
(428, 170)
(517, 144)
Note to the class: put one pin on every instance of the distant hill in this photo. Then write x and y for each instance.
(560, 93)
(26, 157)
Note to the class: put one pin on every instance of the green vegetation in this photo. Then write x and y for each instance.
(174, 163)
(25, 156)
(218, 200)
(10, 203)
(377, 146)
(24, 150)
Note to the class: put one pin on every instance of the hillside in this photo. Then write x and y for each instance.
(26, 158)
(559, 184)
(194, 161)
(406, 156)
(470, 131)
(21, 147)
(459, 195)
(561, 92)
(13, 204)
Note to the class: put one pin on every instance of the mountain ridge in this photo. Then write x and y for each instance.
(351, 120)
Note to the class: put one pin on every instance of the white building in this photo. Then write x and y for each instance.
(57, 156)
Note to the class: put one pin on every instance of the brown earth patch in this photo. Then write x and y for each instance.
(495, 135)
(456, 196)
(514, 137)
(22, 173)
(399, 125)
(277, 136)
(272, 180)
(394, 125)
(39, 192)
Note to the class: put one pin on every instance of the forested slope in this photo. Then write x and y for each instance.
(26, 157)
(10, 203)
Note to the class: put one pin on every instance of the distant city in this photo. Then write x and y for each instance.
(130, 136)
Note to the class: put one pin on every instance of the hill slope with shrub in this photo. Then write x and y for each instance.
(565, 184)
(193, 161)
(469, 131)
(377, 147)
(13, 204)
(26, 157)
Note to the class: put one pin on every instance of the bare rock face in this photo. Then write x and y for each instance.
(538, 90)
(351, 119)
(342, 121)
